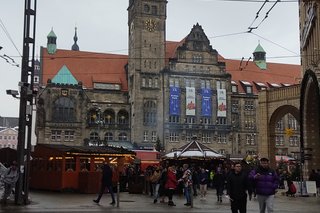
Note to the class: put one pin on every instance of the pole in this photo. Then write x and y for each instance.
(27, 69)
(118, 193)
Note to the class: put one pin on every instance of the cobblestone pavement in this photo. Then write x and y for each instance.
(44, 201)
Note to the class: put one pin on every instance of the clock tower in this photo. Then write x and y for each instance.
(146, 21)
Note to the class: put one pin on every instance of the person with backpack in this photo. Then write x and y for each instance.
(266, 183)
(10, 177)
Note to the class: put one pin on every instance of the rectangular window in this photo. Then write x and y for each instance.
(249, 89)
(174, 119)
(154, 136)
(191, 120)
(176, 82)
(234, 88)
(206, 137)
(156, 83)
(143, 82)
(221, 121)
(174, 137)
(55, 135)
(222, 138)
(68, 135)
(145, 136)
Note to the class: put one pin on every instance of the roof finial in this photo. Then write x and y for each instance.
(75, 46)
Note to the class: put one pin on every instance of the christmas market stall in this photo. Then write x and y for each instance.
(77, 168)
(194, 153)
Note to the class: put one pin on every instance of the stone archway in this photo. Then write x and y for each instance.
(280, 112)
(310, 120)
(274, 104)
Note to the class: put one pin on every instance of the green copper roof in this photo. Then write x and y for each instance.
(64, 76)
(259, 49)
(261, 64)
(51, 34)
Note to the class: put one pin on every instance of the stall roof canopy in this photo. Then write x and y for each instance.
(60, 149)
(194, 150)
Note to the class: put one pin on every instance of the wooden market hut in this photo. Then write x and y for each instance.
(61, 167)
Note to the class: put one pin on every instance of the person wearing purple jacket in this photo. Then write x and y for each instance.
(266, 183)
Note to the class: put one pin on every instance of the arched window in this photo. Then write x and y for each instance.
(123, 117)
(109, 116)
(108, 136)
(123, 136)
(63, 110)
(94, 136)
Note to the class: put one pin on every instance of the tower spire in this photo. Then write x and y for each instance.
(75, 46)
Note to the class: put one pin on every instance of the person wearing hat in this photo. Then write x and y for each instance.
(10, 177)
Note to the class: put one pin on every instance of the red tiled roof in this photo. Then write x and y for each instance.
(87, 67)
(90, 67)
(275, 73)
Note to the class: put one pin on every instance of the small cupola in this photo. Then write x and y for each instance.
(75, 46)
(51, 42)
(259, 57)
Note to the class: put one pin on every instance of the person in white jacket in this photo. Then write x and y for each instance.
(10, 177)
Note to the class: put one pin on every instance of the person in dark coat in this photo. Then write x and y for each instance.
(266, 183)
(106, 182)
(237, 187)
(219, 180)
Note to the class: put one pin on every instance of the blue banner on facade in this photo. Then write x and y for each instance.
(174, 101)
(206, 102)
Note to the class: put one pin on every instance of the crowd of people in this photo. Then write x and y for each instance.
(235, 183)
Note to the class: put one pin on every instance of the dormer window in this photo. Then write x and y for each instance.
(247, 87)
(261, 86)
(234, 87)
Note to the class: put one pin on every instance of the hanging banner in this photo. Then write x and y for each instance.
(174, 101)
(206, 102)
(222, 103)
(190, 101)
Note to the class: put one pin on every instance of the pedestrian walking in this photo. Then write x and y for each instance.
(237, 187)
(187, 184)
(106, 182)
(10, 177)
(266, 183)
(171, 184)
(219, 180)
(155, 180)
(203, 179)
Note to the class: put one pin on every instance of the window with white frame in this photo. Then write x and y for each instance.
(108, 136)
(206, 137)
(55, 135)
(145, 136)
(280, 125)
(221, 121)
(154, 136)
(156, 82)
(222, 138)
(292, 122)
(143, 82)
(68, 135)
(174, 137)
(123, 136)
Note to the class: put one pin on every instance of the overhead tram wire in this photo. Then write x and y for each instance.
(257, 1)
(257, 16)
(275, 44)
(267, 13)
(8, 35)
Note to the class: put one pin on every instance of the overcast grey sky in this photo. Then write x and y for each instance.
(102, 27)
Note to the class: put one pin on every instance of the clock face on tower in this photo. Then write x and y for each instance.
(150, 25)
